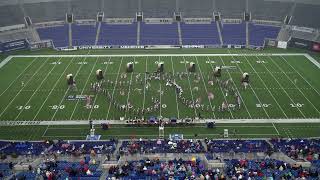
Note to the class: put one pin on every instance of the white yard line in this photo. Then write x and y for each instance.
(43, 80)
(195, 112)
(244, 104)
(84, 87)
(165, 55)
(251, 86)
(56, 83)
(283, 90)
(160, 93)
(275, 128)
(296, 71)
(202, 121)
(5, 61)
(270, 92)
(18, 76)
(63, 73)
(23, 87)
(96, 96)
(173, 75)
(144, 89)
(66, 91)
(130, 83)
(222, 93)
(115, 85)
(311, 59)
(205, 87)
(63, 97)
(296, 86)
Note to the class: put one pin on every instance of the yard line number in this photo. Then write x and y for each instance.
(296, 105)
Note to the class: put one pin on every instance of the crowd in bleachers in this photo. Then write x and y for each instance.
(298, 148)
(246, 146)
(86, 167)
(267, 169)
(93, 147)
(156, 169)
(162, 146)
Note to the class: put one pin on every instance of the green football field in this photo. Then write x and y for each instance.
(36, 102)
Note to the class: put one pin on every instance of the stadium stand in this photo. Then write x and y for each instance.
(58, 34)
(158, 9)
(246, 146)
(118, 34)
(81, 9)
(156, 169)
(298, 148)
(199, 34)
(269, 10)
(98, 147)
(230, 8)
(120, 8)
(267, 168)
(234, 34)
(24, 148)
(46, 11)
(159, 34)
(162, 146)
(194, 9)
(17, 34)
(259, 32)
(10, 15)
(304, 15)
(5, 170)
(83, 34)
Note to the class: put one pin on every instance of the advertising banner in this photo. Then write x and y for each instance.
(14, 45)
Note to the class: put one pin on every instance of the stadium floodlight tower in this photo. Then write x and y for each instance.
(177, 16)
(100, 16)
(139, 16)
(216, 16)
(69, 17)
(247, 16)
(28, 21)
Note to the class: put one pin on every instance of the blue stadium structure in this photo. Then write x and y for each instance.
(67, 25)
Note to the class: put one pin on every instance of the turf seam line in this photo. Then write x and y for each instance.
(177, 104)
(272, 94)
(23, 87)
(96, 97)
(185, 65)
(115, 85)
(299, 74)
(129, 90)
(264, 109)
(202, 77)
(237, 89)
(85, 84)
(296, 86)
(34, 59)
(283, 90)
(36, 90)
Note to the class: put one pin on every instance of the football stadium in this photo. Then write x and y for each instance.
(159, 89)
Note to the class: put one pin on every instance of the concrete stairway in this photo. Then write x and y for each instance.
(98, 33)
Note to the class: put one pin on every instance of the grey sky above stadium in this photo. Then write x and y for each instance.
(12, 2)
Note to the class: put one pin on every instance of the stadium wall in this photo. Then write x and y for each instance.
(20, 44)
(304, 44)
